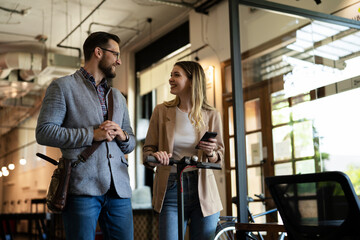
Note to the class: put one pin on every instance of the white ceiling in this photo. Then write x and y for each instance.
(56, 19)
(68, 22)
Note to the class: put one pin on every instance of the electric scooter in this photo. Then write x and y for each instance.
(180, 166)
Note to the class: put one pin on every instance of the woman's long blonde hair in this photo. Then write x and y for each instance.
(195, 73)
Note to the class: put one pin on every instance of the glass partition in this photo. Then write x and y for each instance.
(300, 81)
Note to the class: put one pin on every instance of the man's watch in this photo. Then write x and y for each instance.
(127, 136)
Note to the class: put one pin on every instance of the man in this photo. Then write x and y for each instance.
(73, 116)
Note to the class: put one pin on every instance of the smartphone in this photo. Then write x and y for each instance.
(206, 137)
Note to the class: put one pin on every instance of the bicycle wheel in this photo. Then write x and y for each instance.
(226, 231)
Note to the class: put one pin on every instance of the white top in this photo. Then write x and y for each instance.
(184, 138)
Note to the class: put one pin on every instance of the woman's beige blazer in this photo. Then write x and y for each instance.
(160, 137)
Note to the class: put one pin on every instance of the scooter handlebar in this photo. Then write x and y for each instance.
(152, 159)
(188, 161)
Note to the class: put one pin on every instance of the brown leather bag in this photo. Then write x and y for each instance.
(59, 184)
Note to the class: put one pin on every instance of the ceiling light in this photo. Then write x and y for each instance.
(11, 166)
(6, 173)
(23, 161)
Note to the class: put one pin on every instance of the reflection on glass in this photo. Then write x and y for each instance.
(253, 148)
(305, 166)
(228, 82)
(283, 169)
(299, 99)
(231, 121)
(314, 32)
(254, 181)
(233, 191)
(337, 125)
(302, 111)
(282, 143)
(322, 58)
(303, 139)
(232, 152)
(256, 208)
(280, 108)
(234, 210)
(330, 46)
(252, 115)
(314, 203)
(281, 116)
(279, 100)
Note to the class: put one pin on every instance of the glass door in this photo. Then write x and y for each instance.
(259, 150)
(299, 80)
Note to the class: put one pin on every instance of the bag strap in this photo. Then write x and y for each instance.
(82, 157)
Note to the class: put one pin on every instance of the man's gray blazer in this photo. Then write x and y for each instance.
(70, 112)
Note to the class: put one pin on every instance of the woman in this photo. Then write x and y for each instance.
(174, 131)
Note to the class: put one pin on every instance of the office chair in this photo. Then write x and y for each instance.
(319, 206)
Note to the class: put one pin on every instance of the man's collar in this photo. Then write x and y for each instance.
(90, 77)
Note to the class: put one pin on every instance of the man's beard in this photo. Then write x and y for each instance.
(106, 69)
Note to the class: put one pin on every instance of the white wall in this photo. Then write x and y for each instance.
(213, 30)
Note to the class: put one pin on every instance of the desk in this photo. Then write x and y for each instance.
(39, 218)
(242, 228)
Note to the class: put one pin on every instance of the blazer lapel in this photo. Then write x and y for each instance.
(206, 127)
(203, 131)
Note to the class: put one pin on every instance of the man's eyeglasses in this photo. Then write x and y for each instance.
(117, 54)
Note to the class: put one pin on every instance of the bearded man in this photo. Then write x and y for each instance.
(74, 114)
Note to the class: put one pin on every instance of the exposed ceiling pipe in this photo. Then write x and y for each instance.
(120, 27)
(18, 34)
(75, 48)
(113, 26)
(21, 12)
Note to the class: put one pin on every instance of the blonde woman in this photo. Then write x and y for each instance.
(174, 131)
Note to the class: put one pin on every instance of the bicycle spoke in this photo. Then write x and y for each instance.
(225, 231)
(251, 236)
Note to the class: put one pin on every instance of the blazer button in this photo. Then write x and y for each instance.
(110, 156)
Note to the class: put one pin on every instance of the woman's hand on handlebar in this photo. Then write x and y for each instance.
(163, 157)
